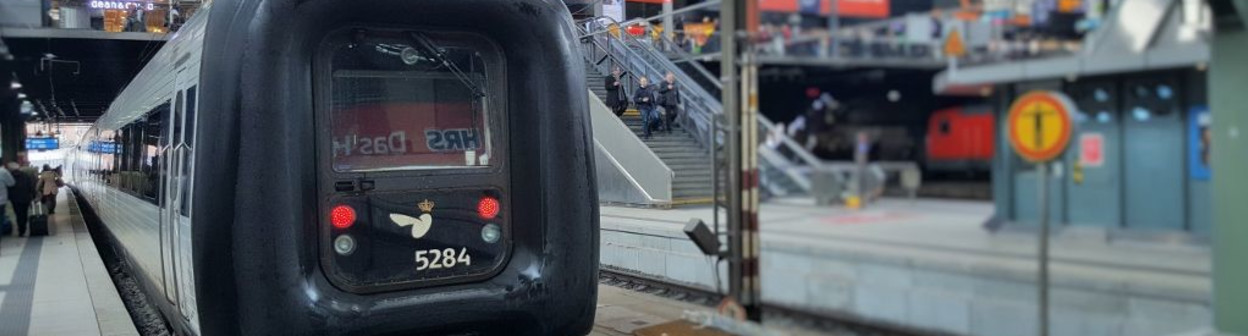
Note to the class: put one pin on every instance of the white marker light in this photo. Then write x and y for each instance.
(491, 233)
(15, 85)
(344, 245)
(410, 56)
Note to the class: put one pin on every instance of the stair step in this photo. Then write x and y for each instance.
(684, 151)
(681, 153)
(689, 166)
(669, 142)
(706, 182)
(706, 193)
(684, 157)
(693, 185)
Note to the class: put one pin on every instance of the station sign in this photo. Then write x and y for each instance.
(1092, 150)
(44, 143)
(103, 147)
(954, 46)
(125, 5)
(1040, 126)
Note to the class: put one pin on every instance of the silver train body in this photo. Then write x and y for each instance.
(147, 208)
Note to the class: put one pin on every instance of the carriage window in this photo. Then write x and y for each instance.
(409, 102)
(157, 122)
(189, 140)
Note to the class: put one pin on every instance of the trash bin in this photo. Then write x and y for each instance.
(826, 186)
(911, 179)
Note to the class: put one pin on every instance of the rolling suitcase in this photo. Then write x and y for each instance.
(38, 220)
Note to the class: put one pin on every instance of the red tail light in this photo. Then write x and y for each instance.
(487, 208)
(342, 216)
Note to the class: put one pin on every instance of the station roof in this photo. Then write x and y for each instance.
(73, 75)
(1141, 35)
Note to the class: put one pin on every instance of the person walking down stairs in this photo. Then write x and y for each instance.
(617, 100)
(669, 98)
(643, 98)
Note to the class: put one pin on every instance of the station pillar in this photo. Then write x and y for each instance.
(1228, 76)
(12, 130)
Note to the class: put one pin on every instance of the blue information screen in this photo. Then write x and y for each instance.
(103, 147)
(42, 143)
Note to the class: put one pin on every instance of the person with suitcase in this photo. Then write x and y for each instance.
(49, 185)
(21, 194)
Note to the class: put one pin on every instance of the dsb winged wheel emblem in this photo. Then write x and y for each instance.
(420, 226)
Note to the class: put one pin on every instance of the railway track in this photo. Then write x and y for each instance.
(824, 322)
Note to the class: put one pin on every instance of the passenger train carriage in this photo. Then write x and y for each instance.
(355, 167)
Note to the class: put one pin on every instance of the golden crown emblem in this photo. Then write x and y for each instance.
(425, 206)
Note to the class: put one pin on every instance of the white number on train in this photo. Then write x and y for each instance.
(445, 258)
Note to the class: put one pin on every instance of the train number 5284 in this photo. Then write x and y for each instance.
(444, 258)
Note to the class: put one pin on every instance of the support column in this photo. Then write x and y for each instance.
(12, 133)
(728, 28)
(1228, 76)
(669, 30)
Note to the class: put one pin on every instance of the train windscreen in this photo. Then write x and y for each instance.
(398, 106)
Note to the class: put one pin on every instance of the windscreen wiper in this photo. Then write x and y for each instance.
(463, 77)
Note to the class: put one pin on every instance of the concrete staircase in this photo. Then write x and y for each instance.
(678, 150)
(688, 160)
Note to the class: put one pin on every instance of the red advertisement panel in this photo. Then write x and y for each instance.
(862, 8)
(787, 6)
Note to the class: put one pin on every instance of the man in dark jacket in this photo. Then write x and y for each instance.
(22, 193)
(617, 100)
(644, 99)
(670, 100)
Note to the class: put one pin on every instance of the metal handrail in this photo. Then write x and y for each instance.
(767, 124)
(631, 48)
(701, 107)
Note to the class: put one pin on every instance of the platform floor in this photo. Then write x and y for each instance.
(57, 285)
(951, 232)
(930, 264)
(622, 312)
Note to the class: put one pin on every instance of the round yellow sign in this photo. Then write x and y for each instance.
(1039, 125)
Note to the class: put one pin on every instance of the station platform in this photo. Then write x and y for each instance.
(930, 265)
(57, 284)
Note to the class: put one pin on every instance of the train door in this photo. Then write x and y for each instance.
(1153, 155)
(175, 224)
(164, 198)
(181, 209)
(1094, 164)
